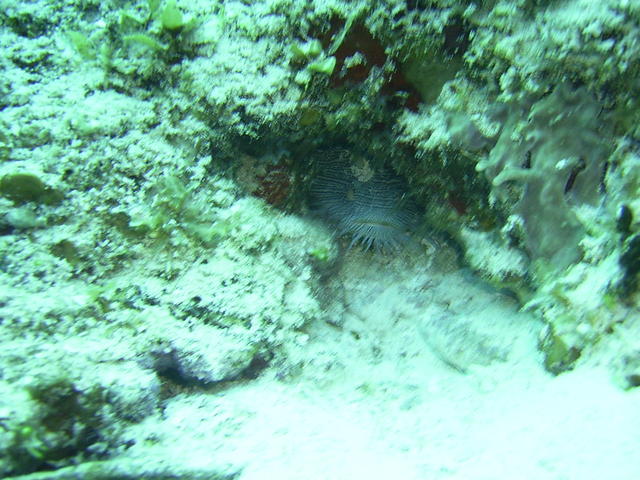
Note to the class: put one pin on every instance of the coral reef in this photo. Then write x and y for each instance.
(167, 169)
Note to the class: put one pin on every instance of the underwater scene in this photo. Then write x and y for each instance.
(320, 239)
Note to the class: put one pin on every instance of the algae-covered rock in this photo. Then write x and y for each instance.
(630, 263)
(22, 218)
(25, 187)
(560, 354)
(164, 284)
(504, 266)
(201, 355)
(60, 409)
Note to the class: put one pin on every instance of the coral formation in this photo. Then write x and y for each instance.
(157, 162)
(559, 170)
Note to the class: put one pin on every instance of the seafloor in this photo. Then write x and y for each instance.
(320, 239)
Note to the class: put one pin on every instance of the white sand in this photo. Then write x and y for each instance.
(374, 402)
